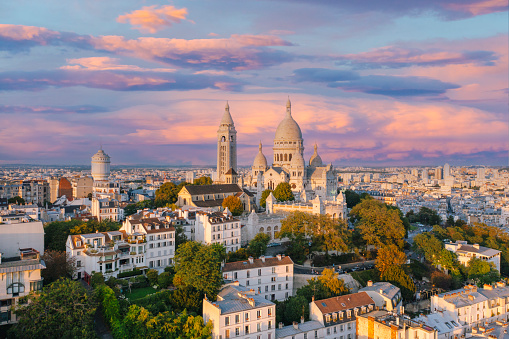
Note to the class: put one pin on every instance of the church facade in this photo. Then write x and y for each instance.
(306, 180)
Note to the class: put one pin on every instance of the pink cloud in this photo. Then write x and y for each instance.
(152, 19)
(107, 64)
(479, 8)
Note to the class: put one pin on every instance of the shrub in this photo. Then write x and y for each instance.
(132, 273)
(152, 276)
(164, 280)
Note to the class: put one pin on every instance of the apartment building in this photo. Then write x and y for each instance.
(303, 330)
(272, 278)
(385, 295)
(240, 312)
(384, 324)
(218, 228)
(32, 191)
(338, 314)
(107, 209)
(465, 252)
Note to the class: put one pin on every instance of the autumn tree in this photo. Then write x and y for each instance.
(388, 256)
(234, 204)
(62, 310)
(330, 280)
(263, 199)
(199, 266)
(378, 224)
(428, 245)
(258, 245)
(283, 192)
(58, 265)
(167, 193)
(203, 181)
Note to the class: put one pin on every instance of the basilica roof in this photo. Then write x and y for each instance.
(100, 154)
(288, 129)
(227, 118)
(315, 160)
(298, 160)
(260, 161)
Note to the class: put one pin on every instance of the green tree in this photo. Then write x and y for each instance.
(482, 272)
(97, 279)
(203, 181)
(164, 280)
(199, 266)
(152, 276)
(16, 200)
(378, 224)
(234, 204)
(238, 255)
(263, 199)
(58, 265)
(62, 310)
(428, 245)
(283, 192)
(389, 256)
(258, 245)
(180, 237)
(397, 276)
(352, 198)
(187, 298)
(167, 193)
(330, 280)
(448, 261)
(428, 216)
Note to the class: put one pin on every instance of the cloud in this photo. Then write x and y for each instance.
(399, 57)
(117, 81)
(107, 64)
(80, 109)
(478, 7)
(152, 19)
(393, 86)
(238, 52)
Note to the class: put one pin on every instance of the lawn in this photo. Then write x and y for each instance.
(138, 293)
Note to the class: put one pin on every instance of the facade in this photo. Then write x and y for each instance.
(218, 228)
(335, 207)
(338, 314)
(226, 148)
(21, 248)
(289, 165)
(32, 191)
(82, 187)
(141, 244)
(465, 252)
(240, 312)
(302, 330)
(212, 196)
(272, 278)
(106, 209)
(385, 295)
(471, 306)
(388, 325)
(100, 166)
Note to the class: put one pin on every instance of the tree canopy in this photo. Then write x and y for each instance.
(234, 204)
(62, 310)
(378, 225)
(16, 200)
(263, 199)
(203, 181)
(283, 192)
(58, 265)
(425, 216)
(258, 245)
(199, 266)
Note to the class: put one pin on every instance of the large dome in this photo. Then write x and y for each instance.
(260, 161)
(298, 160)
(100, 156)
(288, 129)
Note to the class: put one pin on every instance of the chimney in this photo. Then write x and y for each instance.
(263, 258)
(251, 260)
(381, 291)
(278, 257)
(370, 283)
(280, 325)
(313, 298)
(296, 325)
(397, 321)
(0, 257)
(402, 309)
(476, 246)
(488, 287)
(302, 320)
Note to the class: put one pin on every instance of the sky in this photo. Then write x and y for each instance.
(372, 83)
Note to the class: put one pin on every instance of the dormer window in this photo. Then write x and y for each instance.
(78, 243)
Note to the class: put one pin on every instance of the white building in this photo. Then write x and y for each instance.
(272, 278)
(218, 228)
(465, 252)
(302, 330)
(100, 166)
(21, 245)
(106, 209)
(338, 314)
(240, 312)
(385, 295)
(385, 324)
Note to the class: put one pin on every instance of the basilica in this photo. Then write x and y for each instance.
(307, 180)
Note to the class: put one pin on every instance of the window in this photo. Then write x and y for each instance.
(237, 331)
(246, 331)
(248, 274)
(246, 316)
(259, 327)
(227, 334)
(36, 285)
(78, 263)
(226, 321)
(273, 270)
(258, 314)
(279, 287)
(273, 288)
(234, 275)
(259, 271)
(273, 279)
(259, 281)
(269, 325)
(287, 269)
(237, 319)
(247, 282)
(305, 336)
(266, 288)
(269, 312)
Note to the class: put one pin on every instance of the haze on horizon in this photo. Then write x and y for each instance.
(375, 84)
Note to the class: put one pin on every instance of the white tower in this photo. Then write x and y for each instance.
(288, 140)
(447, 171)
(100, 166)
(226, 146)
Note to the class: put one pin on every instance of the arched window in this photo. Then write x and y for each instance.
(223, 138)
(293, 186)
(290, 158)
(286, 157)
(231, 138)
(262, 230)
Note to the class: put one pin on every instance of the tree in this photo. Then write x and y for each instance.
(448, 261)
(352, 198)
(203, 181)
(167, 193)
(482, 272)
(258, 245)
(180, 237)
(263, 199)
(152, 276)
(378, 224)
(330, 280)
(97, 279)
(199, 266)
(187, 298)
(234, 204)
(428, 216)
(389, 256)
(164, 280)
(58, 265)
(283, 192)
(441, 280)
(16, 200)
(428, 245)
(397, 276)
(238, 255)
(62, 310)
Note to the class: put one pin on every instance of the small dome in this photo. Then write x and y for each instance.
(227, 118)
(297, 160)
(100, 155)
(315, 160)
(288, 129)
(260, 161)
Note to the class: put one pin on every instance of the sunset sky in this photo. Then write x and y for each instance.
(372, 82)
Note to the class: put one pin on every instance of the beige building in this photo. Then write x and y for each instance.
(385, 295)
(212, 196)
(272, 278)
(335, 207)
(240, 312)
(218, 228)
(226, 150)
(82, 187)
(388, 325)
(465, 252)
(106, 209)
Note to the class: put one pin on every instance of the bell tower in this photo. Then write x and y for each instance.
(226, 146)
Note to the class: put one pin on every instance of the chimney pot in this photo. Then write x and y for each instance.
(296, 325)
(370, 283)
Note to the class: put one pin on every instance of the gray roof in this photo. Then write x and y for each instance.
(388, 289)
(481, 250)
(212, 189)
(441, 321)
(233, 298)
(302, 328)
(21, 265)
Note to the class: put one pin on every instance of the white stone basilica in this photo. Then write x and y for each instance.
(307, 181)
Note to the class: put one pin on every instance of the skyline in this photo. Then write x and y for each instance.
(374, 84)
